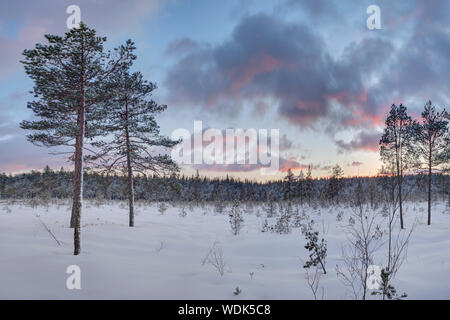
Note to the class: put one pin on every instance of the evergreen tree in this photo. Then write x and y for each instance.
(283, 223)
(289, 187)
(300, 187)
(48, 183)
(430, 142)
(134, 134)
(236, 218)
(309, 185)
(335, 183)
(197, 185)
(394, 146)
(317, 249)
(69, 73)
(270, 206)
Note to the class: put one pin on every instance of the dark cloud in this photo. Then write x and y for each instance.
(366, 141)
(287, 62)
(419, 68)
(267, 56)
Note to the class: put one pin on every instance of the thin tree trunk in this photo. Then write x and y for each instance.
(401, 203)
(323, 267)
(429, 186)
(130, 171)
(365, 282)
(399, 182)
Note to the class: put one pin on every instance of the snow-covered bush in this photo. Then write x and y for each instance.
(236, 219)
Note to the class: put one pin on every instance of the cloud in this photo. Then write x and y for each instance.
(267, 57)
(261, 59)
(365, 141)
(418, 66)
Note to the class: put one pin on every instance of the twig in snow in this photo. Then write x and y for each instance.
(48, 230)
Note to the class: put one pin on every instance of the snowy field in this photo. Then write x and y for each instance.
(162, 257)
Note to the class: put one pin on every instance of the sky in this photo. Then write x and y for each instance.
(310, 68)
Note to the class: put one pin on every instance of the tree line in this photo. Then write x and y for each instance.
(57, 184)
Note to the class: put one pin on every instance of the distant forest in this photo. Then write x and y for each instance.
(50, 184)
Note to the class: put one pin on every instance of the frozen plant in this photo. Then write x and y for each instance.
(313, 280)
(339, 216)
(364, 239)
(386, 289)
(298, 219)
(282, 226)
(160, 247)
(266, 227)
(236, 219)
(219, 206)
(215, 258)
(183, 211)
(162, 207)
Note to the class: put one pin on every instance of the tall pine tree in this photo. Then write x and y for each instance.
(69, 74)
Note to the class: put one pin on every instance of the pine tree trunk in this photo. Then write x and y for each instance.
(399, 182)
(429, 186)
(78, 181)
(400, 202)
(79, 170)
(130, 186)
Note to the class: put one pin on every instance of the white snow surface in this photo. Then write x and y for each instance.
(161, 257)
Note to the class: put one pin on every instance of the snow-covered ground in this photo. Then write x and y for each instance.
(161, 258)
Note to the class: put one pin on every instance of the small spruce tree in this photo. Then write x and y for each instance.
(317, 249)
(236, 219)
